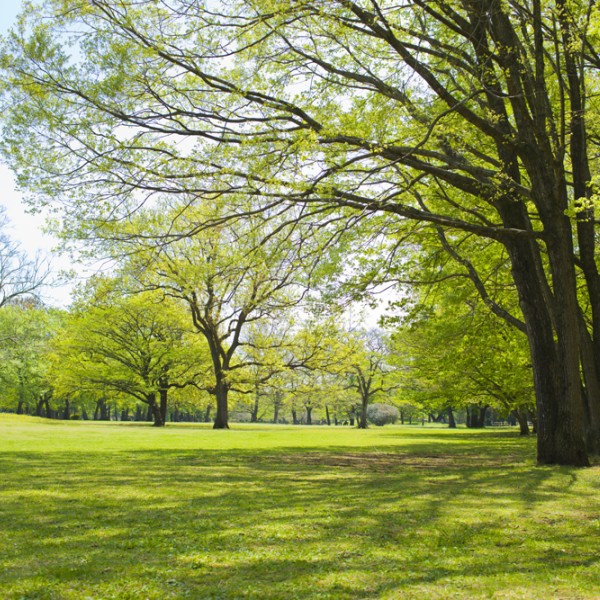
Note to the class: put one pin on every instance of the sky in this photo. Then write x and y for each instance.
(26, 228)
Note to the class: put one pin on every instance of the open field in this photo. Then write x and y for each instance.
(112, 510)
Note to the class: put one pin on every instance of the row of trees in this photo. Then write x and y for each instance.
(135, 359)
(336, 136)
(177, 330)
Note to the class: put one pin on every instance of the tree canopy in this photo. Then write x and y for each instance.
(476, 117)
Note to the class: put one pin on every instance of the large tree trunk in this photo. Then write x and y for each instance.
(157, 414)
(591, 389)
(555, 358)
(222, 417)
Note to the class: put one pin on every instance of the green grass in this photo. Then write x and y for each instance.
(128, 511)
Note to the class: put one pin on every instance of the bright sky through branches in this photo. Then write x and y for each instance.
(26, 228)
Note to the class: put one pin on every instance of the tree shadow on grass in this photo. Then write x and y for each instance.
(293, 523)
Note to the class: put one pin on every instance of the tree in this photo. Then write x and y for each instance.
(368, 370)
(471, 116)
(136, 346)
(231, 281)
(26, 331)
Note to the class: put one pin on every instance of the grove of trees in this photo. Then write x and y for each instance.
(247, 158)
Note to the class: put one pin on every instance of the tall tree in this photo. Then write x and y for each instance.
(231, 280)
(373, 106)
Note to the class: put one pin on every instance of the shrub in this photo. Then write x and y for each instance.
(381, 414)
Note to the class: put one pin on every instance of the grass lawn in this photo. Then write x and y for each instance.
(113, 510)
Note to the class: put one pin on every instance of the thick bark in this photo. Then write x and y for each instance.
(327, 415)
(555, 357)
(222, 416)
(591, 390)
(309, 415)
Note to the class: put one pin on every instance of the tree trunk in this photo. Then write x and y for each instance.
(362, 420)
(476, 416)
(206, 416)
(138, 413)
(255, 406)
(327, 415)
(155, 409)
(67, 411)
(557, 381)
(104, 410)
(521, 415)
(591, 389)
(451, 420)
(294, 417)
(163, 392)
(222, 416)
(39, 407)
(308, 414)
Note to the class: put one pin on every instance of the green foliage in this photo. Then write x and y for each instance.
(26, 373)
(126, 346)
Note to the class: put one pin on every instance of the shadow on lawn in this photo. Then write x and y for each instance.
(333, 523)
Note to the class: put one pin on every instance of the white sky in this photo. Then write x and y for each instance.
(26, 228)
